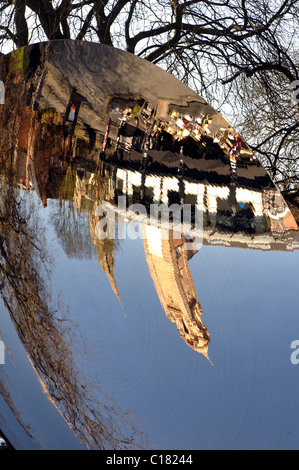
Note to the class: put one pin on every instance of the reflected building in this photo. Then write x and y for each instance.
(163, 142)
(90, 141)
(167, 259)
(75, 127)
(105, 253)
(266, 224)
(88, 192)
(233, 214)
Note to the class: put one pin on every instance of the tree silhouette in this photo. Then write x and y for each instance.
(43, 325)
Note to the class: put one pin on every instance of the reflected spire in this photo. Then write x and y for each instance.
(167, 259)
(87, 190)
(105, 254)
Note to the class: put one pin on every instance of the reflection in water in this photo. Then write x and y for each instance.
(24, 268)
(81, 141)
(167, 260)
(28, 145)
